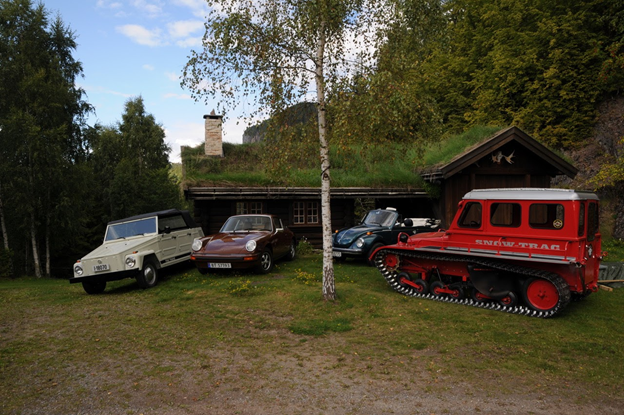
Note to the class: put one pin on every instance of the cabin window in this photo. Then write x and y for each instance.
(245, 208)
(471, 215)
(505, 214)
(173, 222)
(581, 223)
(593, 221)
(305, 213)
(546, 216)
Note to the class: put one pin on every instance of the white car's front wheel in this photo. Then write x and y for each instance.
(148, 277)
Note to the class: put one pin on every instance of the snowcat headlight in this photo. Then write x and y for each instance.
(78, 270)
(250, 246)
(197, 244)
(130, 262)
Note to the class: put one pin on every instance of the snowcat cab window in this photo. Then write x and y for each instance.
(471, 216)
(581, 223)
(593, 223)
(546, 216)
(505, 214)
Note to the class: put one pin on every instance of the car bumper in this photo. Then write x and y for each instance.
(225, 262)
(347, 253)
(109, 276)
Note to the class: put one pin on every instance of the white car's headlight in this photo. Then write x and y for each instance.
(250, 246)
(197, 244)
(359, 243)
(78, 269)
(130, 262)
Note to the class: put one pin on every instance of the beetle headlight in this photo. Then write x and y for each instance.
(359, 243)
(78, 270)
(130, 261)
(197, 244)
(250, 246)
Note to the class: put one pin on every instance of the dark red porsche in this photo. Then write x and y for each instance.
(245, 241)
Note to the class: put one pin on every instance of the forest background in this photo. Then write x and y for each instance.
(553, 68)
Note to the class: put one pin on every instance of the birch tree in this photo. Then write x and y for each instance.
(269, 55)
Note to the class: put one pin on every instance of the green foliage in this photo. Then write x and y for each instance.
(534, 64)
(443, 151)
(304, 247)
(241, 288)
(307, 278)
(43, 145)
(377, 165)
(131, 165)
(6, 259)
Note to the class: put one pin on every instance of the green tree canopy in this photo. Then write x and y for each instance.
(131, 165)
(42, 114)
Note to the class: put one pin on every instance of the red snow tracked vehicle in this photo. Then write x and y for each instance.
(523, 251)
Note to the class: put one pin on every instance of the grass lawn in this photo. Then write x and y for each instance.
(221, 338)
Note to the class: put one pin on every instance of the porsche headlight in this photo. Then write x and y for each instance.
(78, 269)
(359, 243)
(130, 261)
(197, 244)
(250, 246)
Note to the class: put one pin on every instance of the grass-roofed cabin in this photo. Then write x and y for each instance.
(245, 180)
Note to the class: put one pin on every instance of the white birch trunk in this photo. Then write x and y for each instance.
(5, 235)
(48, 271)
(329, 287)
(33, 239)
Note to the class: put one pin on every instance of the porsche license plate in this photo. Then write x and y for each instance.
(219, 265)
(101, 267)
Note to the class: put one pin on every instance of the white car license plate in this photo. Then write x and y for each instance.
(219, 265)
(336, 254)
(101, 267)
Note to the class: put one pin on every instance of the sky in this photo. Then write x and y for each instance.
(131, 48)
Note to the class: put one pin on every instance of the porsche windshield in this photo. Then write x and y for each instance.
(380, 218)
(247, 224)
(129, 229)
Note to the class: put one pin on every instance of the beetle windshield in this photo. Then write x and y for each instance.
(247, 224)
(129, 229)
(380, 218)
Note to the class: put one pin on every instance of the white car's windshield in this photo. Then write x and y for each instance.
(128, 229)
(380, 218)
(247, 223)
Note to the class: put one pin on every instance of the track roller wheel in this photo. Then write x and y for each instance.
(437, 289)
(421, 286)
(405, 280)
(457, 293)
(478, 297)
(510, 300)
(541, 294)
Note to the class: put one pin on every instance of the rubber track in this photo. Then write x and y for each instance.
(556, 280)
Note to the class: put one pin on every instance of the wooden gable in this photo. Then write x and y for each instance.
(510, 158)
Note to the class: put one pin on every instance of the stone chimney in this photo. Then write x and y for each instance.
(213, 134)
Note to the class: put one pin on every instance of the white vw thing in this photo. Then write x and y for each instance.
(138, 247)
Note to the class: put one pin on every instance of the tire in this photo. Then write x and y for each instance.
(266, 262)
(292, 251)
(373, 249)
(510, 300)
(94, 287)
(435, 287)
(541, 294)
(148, 277)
